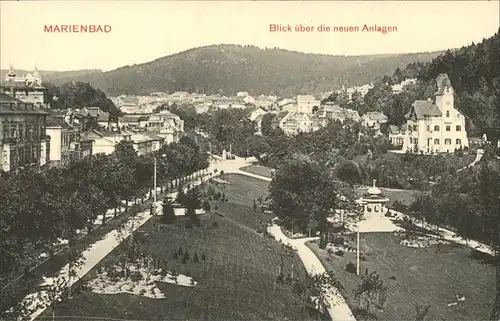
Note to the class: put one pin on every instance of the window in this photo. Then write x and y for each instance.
(447, 113)
(415, 141)
(376, 208)
(447, 141)
(409, 127)
(458, 142)
(459, 128)
(436, 141)
(458, 115)
(415, 127)
(428, 128)
(13, 131)
(448, 128)
(436, 128)
(411, 140)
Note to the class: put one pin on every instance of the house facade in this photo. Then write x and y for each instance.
(27, 88)
(373, 120)
(306, 103)
(436, 127)
(293, 123)
(23, 138)
(64, 134)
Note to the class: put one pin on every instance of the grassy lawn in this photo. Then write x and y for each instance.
(236, 282)
(422, 276)
(258, 170)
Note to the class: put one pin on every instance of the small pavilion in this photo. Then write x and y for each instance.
(373, 201)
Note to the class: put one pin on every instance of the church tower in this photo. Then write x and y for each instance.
(36, 76)
(11, 75)
(445, 95)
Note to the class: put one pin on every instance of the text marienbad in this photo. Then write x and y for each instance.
(77, 28)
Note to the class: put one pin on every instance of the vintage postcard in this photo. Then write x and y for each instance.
(249, 160)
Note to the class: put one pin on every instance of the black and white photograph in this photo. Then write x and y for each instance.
(249, 160)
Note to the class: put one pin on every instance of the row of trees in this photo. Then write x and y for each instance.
(40, 208)
(466, 202)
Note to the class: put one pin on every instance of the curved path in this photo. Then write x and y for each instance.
(479, 155)
(336, 305)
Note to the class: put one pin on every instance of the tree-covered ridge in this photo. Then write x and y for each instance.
(78, 95)
(228, 69)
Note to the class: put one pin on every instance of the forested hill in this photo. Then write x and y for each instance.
(475, 75)
(228, 69)
(78, 95)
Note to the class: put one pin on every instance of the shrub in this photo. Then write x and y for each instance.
(195, 258)
(206, 206)
(186, 255)
(176, 255)
(350, 267)
(215, 224)
(339, 253)
(203, 256)
(136, 276)
(180, 252)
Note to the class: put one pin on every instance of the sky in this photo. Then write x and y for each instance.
(144, 31)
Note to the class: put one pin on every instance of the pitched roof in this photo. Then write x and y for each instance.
(279, 117)
(377, 116)
(423, 108)
(305, 98)
(21, 84)
(10, 105)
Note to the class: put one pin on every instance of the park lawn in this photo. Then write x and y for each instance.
(236, 282)
(422, 276)
(240, 192)
(258, 170)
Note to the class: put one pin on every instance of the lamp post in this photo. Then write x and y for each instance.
(357, 249)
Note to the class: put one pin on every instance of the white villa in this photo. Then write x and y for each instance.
(435, 127)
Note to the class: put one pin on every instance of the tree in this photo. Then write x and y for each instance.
(266, 124)
(348, 172)
(302, 190)
(168, 214)
(421, 312)
(371, 293)
(320, 289)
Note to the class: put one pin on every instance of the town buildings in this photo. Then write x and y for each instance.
(64, 134)
(435, 126)
(27, 88)
(306, 104)
(23, 138)
(373, 120)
